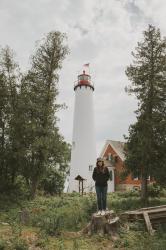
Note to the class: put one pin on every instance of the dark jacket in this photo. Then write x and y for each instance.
(100, 178)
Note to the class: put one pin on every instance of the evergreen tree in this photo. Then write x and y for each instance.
(9, 83)
(146, 143)
(42, 144)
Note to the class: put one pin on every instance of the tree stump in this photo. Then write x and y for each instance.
(24, 216)
(102, 224)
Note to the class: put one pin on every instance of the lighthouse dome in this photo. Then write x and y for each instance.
(84, 80)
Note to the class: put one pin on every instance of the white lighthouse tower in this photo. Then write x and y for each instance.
(83, 154)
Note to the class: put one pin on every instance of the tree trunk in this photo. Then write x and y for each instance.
(13, 175)
(144, 193)
(34, 185)
(102, 224)
(2, 148)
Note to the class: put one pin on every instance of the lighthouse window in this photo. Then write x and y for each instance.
(84, 77)
(90, 167)
(81, 77)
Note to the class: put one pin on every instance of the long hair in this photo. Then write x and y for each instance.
(100, 169)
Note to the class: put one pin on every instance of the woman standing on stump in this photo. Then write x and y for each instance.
(101, 176)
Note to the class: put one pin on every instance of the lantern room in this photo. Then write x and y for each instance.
(83, 80)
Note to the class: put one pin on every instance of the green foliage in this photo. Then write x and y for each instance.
(74, 212)
(15, 191)
(19, 244)
(75, 245)
(126, 194)
(146, 142)
(2, 244)
(163, 192)
(43, 145)
(9, 80)
(42, 240)
(64, 213)
(30, 139)
(14, 243)
(53, 181)
(154, 190)
(15, 228)
(137, 238)
(50, 222)
(152, 242)
(123, 204)
(61, 244)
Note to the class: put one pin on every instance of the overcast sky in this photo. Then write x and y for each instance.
(100, 32)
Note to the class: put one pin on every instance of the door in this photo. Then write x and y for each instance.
(111, 182)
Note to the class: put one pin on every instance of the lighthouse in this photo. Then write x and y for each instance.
(83, 153)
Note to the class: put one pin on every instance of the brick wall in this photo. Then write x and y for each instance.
(129, 182)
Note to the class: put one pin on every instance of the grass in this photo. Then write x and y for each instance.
(54, 223)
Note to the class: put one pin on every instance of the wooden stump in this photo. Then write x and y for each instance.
(24, 216)
(102, 224)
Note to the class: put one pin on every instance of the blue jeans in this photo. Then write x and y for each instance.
(101, 193)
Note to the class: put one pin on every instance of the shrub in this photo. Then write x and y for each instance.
(53, 182)
(17, 190)
(19, 244)
(154, 190)
(123, 204)
(89, 204)
(2, 244)
(127, 194)
(163, 192)
(58, 213)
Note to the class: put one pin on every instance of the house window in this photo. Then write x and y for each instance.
(110, 157)
(135, 177)
(113, 158)
(116, 158)
(136, 188)
(90, 167)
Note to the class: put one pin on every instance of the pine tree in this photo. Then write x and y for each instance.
(9, 80)
(146, 142)
(41, 141)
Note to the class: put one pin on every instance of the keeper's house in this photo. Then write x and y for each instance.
(113, 155)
